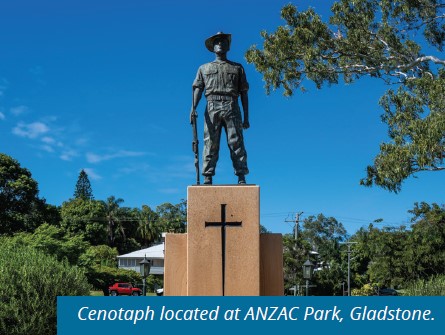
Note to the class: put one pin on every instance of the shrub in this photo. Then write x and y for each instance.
(366, 290)
(30, 282)
(434, 286)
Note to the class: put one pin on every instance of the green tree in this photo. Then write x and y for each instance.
(388, 267)
(319, 241)
(415, 116)
(86, 217)
(20, 207)
(426, 249)
(173, 218)
(295, 253)
(382, 256)
(361, 257)
(113, 215)
(324, 235)
(395, 41)
(53, 241)
(31, 281)
(395, 256)
(99, 255)
(100, 263)
(83, 188)
(149, 229)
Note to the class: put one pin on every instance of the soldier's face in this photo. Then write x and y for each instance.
(221, 45)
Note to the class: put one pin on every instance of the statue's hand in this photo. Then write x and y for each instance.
(193, 114)
(246, 124)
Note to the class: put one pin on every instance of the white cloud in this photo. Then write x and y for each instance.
(47, 148)
(2, 116)
(82, 141)
(94, 158)
(19, 110)
(49, 144)
(30, 130)
(52, 141)
(48, 140)
(92, 174)
(68, 155)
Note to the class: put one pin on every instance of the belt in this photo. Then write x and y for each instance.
(220, 98)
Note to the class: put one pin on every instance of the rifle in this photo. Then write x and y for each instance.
(195, 144)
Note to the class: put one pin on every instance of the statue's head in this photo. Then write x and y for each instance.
(219, 40)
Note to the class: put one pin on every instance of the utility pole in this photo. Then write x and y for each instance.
(296, 230)
(297, 224)
(349, 264)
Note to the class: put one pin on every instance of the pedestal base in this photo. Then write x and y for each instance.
(222, 253)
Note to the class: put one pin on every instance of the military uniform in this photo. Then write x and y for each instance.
(223, 81)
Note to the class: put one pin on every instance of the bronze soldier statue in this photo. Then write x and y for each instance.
(223, 81)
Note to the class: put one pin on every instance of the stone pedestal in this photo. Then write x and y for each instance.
(221, 253)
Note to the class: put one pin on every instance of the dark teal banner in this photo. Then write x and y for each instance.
(236, 315)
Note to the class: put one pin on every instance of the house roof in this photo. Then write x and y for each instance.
(156, 251)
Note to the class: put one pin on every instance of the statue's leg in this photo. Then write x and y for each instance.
(235, 139)
(212, 136)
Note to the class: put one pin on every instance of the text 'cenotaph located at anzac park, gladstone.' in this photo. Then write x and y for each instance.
(223, 252)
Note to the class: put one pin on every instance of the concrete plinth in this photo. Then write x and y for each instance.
(208, 205)
(221, 249)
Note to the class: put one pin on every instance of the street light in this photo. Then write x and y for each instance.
(145, 271)
(308, 268)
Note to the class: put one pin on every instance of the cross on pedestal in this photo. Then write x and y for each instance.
(223, 224)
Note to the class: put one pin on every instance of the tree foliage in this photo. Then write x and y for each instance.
(20, 207)
(100, 264)
(295, 253)
(415, 116)
(83, 188)
(395, 256)
(85, 217)
(55, 242)
(149, 229)
(398, 42)
(317, 241)
(324, 234)
(427, 242)
(31, 282)
(173, 218)
(113, 215)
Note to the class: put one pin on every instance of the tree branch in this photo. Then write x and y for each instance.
(422, 59)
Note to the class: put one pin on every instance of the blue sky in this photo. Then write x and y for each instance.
(105, 86)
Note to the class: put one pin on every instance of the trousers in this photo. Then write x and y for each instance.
(227, 115)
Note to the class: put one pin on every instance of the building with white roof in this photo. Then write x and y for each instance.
(154, 254)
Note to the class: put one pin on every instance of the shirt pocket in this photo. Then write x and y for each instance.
(232, 79)
(210, 79)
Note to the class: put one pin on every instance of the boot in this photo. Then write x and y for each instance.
(208, 180)
(241, 179)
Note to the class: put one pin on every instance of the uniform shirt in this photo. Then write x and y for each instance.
(221, 78)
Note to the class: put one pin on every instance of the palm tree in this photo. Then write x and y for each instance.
(149, 230)
(114, 219)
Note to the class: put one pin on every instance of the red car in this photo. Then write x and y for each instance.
(124, 289)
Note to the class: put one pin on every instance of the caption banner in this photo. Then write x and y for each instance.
(337, 315)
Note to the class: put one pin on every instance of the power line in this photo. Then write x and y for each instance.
(297, 224)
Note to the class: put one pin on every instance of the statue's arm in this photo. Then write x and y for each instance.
(197, 94)
(245, 103)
